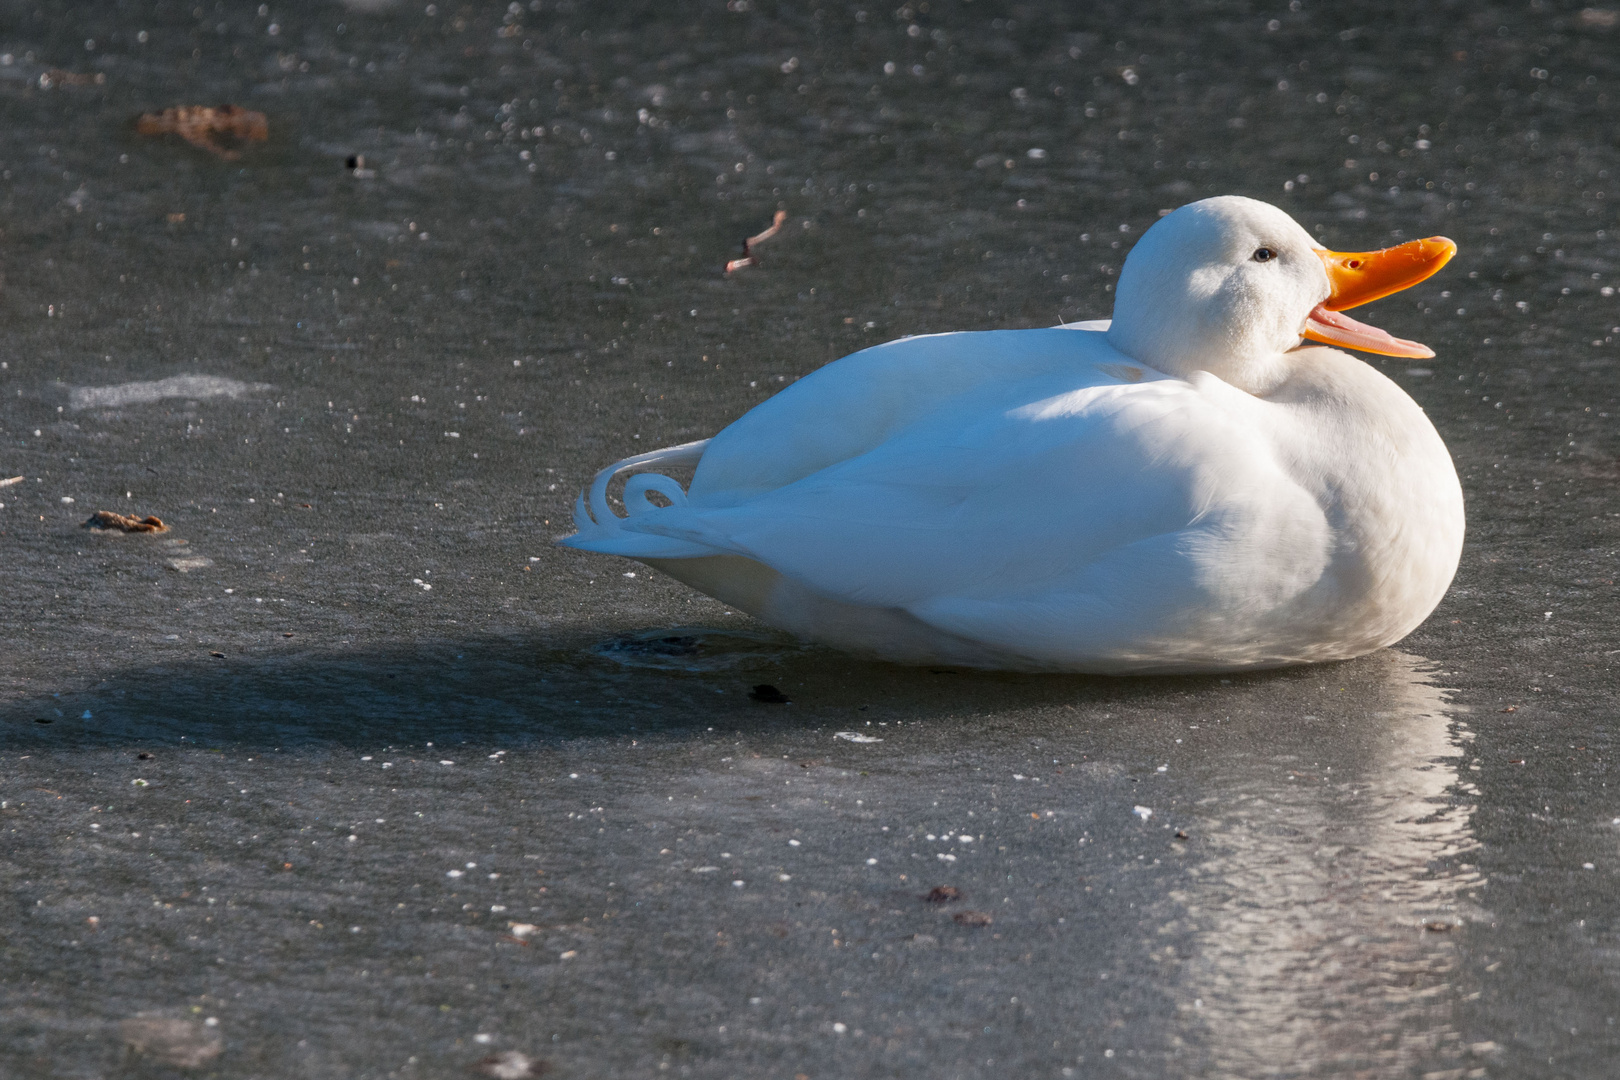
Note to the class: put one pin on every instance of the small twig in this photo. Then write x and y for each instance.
(8, 481)
(748, 258)
(58, 77)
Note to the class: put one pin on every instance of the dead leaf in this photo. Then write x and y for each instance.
(204, 125)
(108, 519)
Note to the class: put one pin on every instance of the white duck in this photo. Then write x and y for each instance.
(1190, 488)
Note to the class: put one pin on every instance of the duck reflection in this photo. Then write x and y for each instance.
(1323, 921)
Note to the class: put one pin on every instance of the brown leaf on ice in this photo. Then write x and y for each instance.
(749, 244)
(107, 519)
(943, 894)
(972, 918)
(203, 126)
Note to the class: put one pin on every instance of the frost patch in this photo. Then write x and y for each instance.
(178, 386)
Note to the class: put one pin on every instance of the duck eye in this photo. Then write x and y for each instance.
(1264, 254)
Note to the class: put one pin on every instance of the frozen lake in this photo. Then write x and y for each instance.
(351, 773)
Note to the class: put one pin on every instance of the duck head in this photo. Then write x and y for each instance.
(1231, 285)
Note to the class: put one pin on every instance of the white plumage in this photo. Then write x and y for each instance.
(1187, 489)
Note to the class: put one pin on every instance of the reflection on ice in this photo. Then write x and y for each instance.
(696, 649)
(1324, 919)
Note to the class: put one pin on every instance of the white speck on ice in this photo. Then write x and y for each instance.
(793, 843)
(738, 884)
(1588, 866)
(946, 858)
(871, 862)
(965, 838)
(522, 929)
(840, 1028)
(1143, 812)
(446, 763)
(483, 1037)
(705, 869)
(852, 736)
(1164, 768)
(366, 758)
(784, 877)
(452, 873)
(569, 955)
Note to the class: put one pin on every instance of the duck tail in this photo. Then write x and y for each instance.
(600, 529)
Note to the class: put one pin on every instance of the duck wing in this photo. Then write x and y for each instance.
(855, 404)
(841, 411)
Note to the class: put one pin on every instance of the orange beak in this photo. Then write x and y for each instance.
(1362, 277)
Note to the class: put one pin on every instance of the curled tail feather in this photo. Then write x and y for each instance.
(600, 529)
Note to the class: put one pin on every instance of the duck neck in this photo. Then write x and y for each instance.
(1257, 371)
